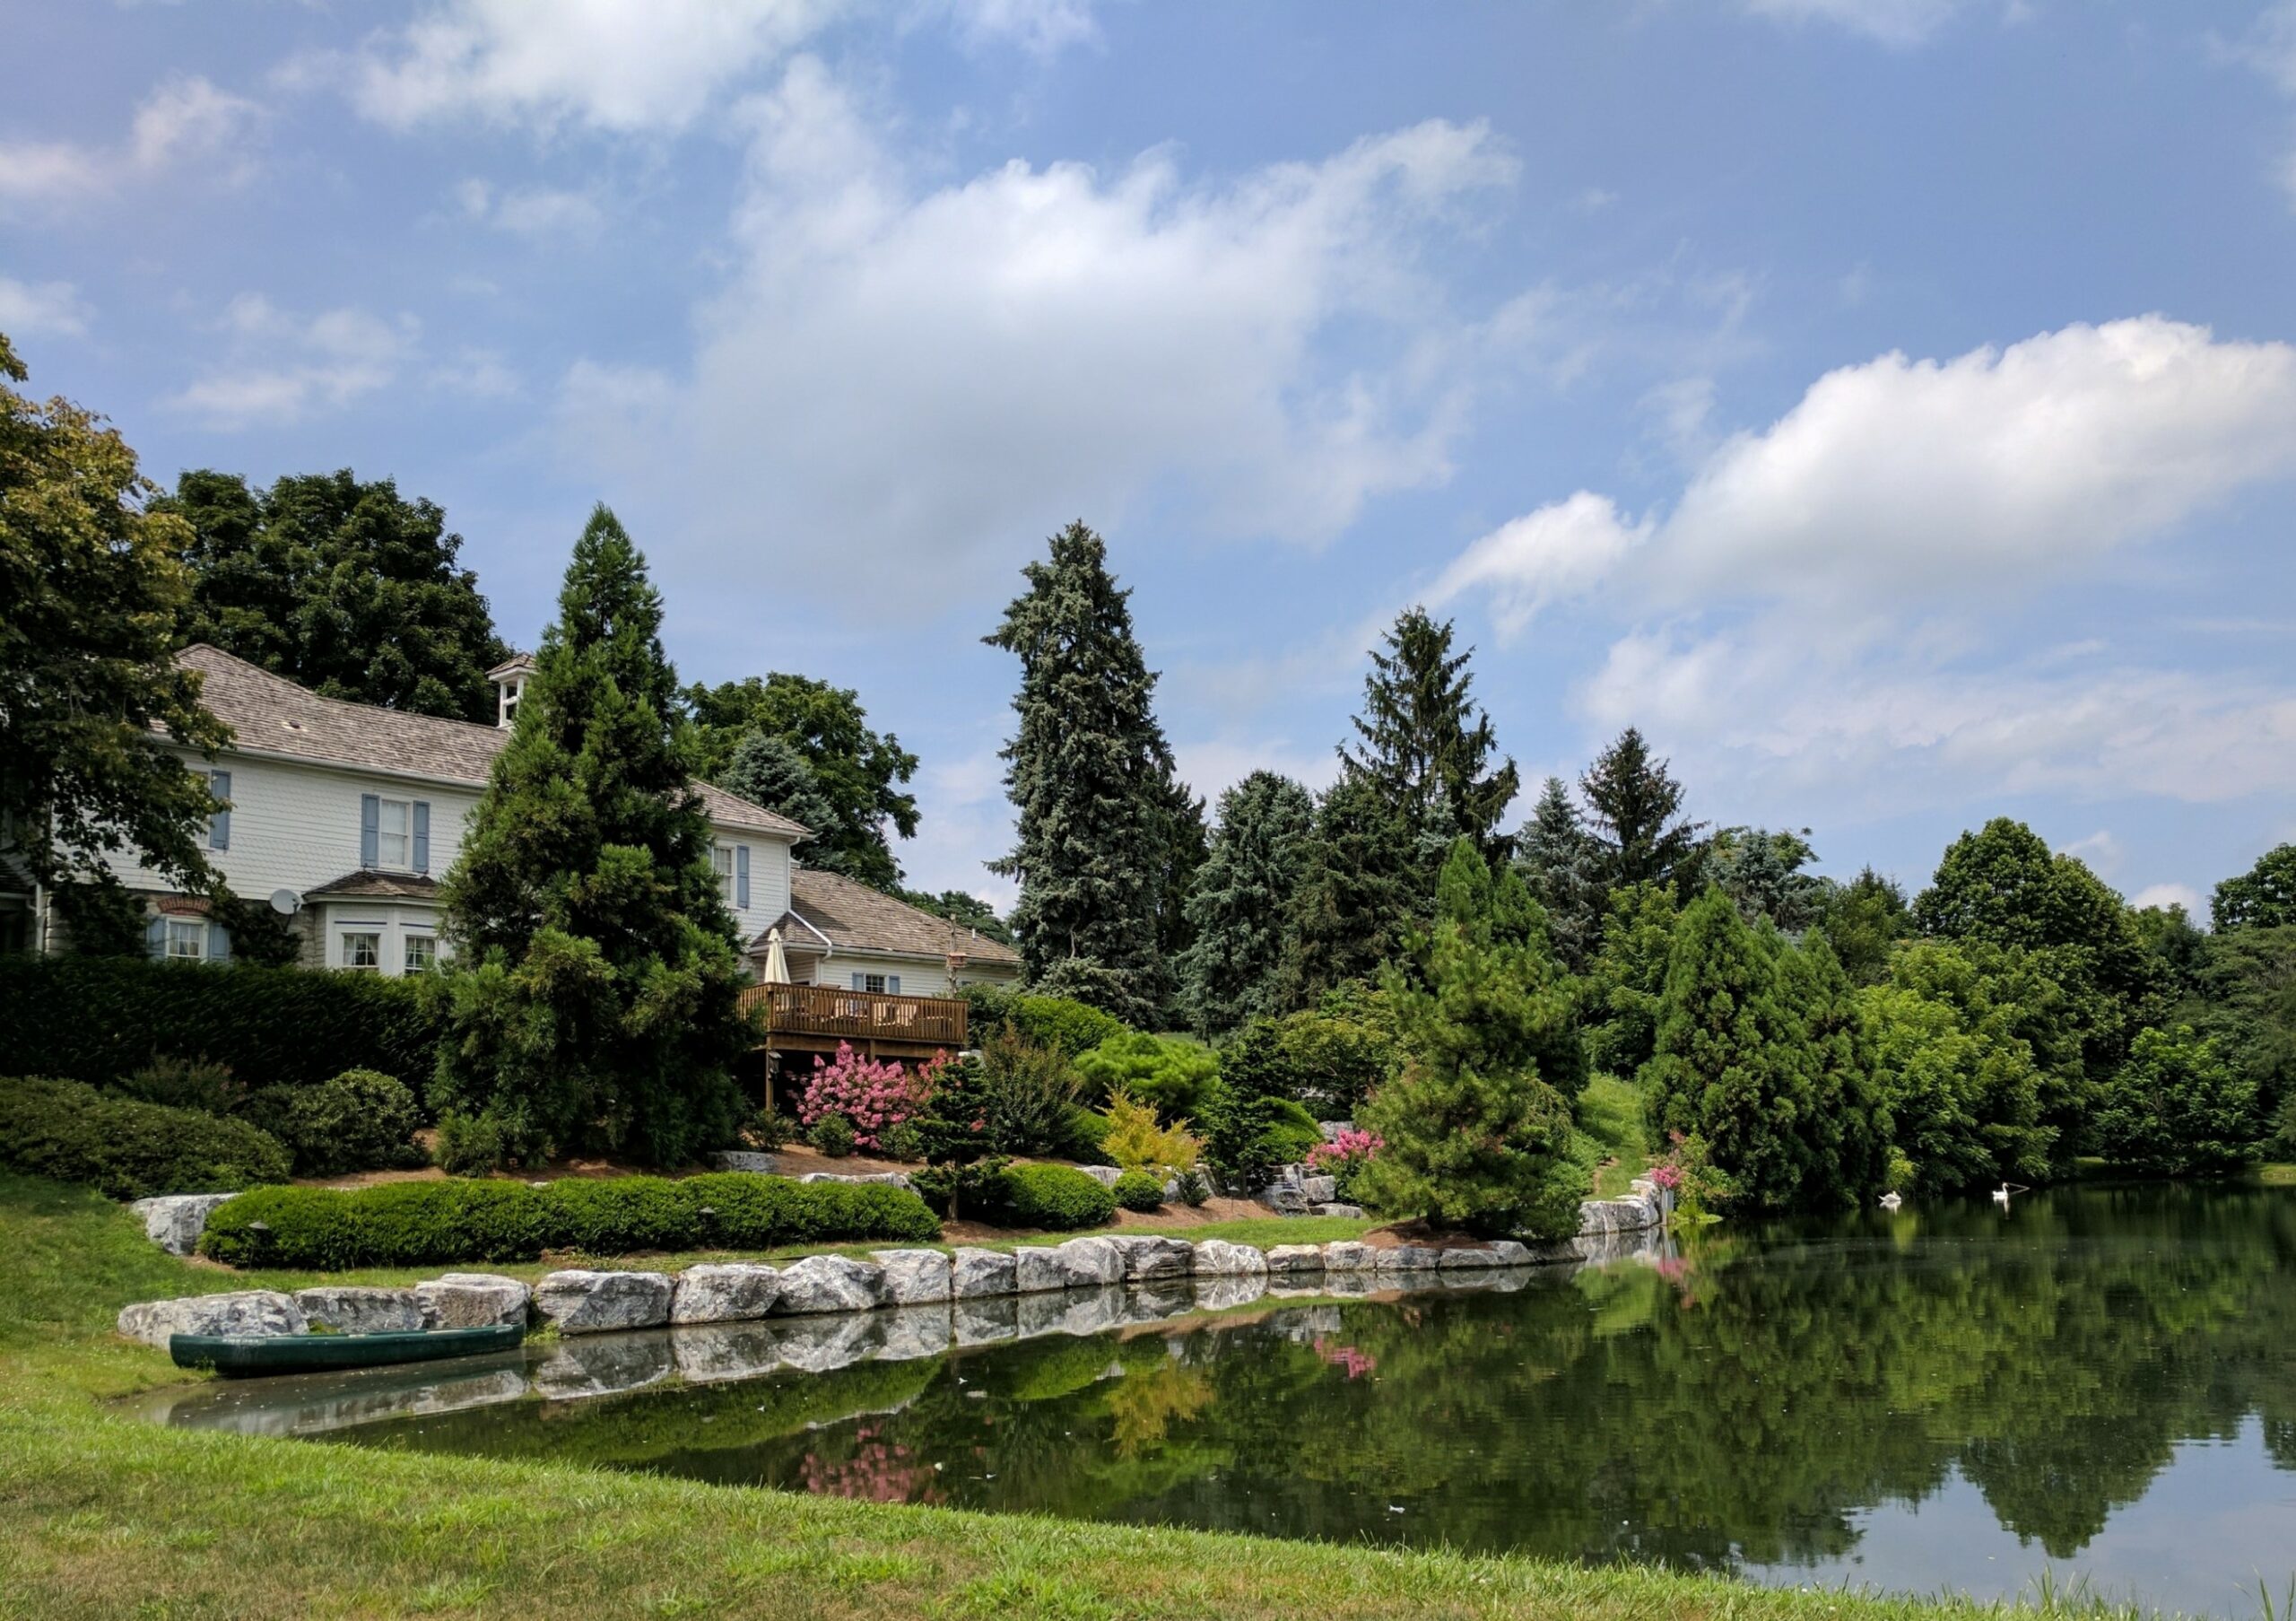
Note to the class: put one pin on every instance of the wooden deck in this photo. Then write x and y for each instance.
(814, 1018)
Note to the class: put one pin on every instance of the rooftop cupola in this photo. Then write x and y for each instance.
(509, 678)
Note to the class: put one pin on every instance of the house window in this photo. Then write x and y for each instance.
(721, 858)
(421, 952)
(363, 949)
(188, 940)
(874, 982)
(395, 835)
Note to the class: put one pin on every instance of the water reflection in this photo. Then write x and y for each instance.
(2099, 1380)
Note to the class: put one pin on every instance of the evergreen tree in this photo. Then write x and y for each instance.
(342, 586)
(1186, 844)
(1637, 810)
(1844, 1136)
(1627, 982)
(1357, 893)
(1478, 1126)
(2262, 897)
(1761, 870)
(1863, 919)
(767, 769)
(1422, 746)
(591, 1000)
(1091, 779)
(1238, 906)
(1558, 860)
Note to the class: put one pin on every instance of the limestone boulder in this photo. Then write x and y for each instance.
(1500, 1252)
(1319, 1189)
(980, 1274)
(737, 1290)
(351, 1308)
(914, 1277)
(582, 1302)
(174, 1221)
(829, 1283)
(241, 1311)
(744, 1159)
(1286, 1260)
(1353, 1213)
(1106, 1175)
(1217, 1257)
(1151, 1255)
(1408, 1258)
(1089, 1262)
(472, 1300)
(1345, 1255)
(889, 1179)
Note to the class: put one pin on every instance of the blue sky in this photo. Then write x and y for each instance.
(1888, 404)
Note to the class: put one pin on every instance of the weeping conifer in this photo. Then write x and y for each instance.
(592, 995)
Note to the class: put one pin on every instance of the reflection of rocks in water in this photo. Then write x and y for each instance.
(709, 1352)
(980, 1322)
(313, 1404)
(601, 1365)
(1153, 1300)
(1070, 1311)
(816, 1345)
(914, 1331)
(1225, 1293)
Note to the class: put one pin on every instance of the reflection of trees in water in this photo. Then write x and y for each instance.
(1741, 1407)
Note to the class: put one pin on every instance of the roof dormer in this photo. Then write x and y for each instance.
(509, 678)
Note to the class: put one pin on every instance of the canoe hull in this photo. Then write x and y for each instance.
(247, 1356)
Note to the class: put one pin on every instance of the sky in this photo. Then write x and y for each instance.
(1889, 405)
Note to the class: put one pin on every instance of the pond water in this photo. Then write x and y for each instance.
(2098, 1383)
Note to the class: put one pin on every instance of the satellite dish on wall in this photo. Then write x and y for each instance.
(286, 902)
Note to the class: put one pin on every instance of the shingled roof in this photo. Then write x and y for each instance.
(852, 917)
(269, 714)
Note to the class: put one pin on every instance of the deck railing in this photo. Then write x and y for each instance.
(860, 1015)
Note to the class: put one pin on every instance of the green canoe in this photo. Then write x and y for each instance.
(240, 1355)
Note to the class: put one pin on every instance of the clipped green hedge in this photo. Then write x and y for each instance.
(1068, 1028)
(1138, 1190)
(97, 1019)
(442, 1223)
(1059, 1199)
(127, 1149)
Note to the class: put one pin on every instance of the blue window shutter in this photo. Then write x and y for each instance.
(371, 830)
(219, 826)
(219, 943)
(422, 835)
(741, 876)
(155, 937)
(892, 984)
(857, 982)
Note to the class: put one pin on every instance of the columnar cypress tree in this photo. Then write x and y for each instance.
(1423, 745)
(1557, 858)
(1478, 1125)
(1637, 807)
(1240, 900)
(592, 998)
(1090, 778)
(1358, 891)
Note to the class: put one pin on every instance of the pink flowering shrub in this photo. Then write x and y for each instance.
(1666, 1176)
(1345, 1155)
(873, 1097)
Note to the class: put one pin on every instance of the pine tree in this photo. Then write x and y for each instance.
(1091, 779)
(1186, 844)
(767, 769)
(1358, 891)
(1237, 904)
(1478, 1126)
(1557, 858)
(1423, 744)
(1637, 807)
(592, 995)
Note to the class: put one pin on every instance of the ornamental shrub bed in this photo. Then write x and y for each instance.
(435, 1224)
(1058, 1199)
(360, 1120)
(99, 1019)
(1069, 1028)
(128, 1149)
(1138, 1190)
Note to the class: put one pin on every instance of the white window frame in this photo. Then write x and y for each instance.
(409, 940)
(190, 932)
(721, 862)
(348, 934)
(384, 808)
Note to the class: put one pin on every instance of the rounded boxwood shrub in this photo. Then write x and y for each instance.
(360, 1120)
(460, 1219)
(127, 1149)
(1058, 1199)
(1138, 1190)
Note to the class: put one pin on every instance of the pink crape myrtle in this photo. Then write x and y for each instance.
(1349, 1147)
(874, 1097)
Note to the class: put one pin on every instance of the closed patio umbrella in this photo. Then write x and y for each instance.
(777, 965)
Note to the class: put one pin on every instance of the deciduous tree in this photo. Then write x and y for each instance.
(2262, 897)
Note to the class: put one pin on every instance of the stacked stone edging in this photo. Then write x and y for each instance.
(581, 1301)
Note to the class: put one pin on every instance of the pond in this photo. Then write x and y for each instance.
(2098, 1383)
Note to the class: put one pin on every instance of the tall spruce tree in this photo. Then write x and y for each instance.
(1091, 782)
(1637, 809)
(1423, 744)
(1478, 1126)
(1559, 862)
(767, 769)
(1359, 890)
(1240, 900)
(591, 1000)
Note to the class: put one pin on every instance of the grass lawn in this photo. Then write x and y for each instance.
(104, 1516)
(1610, 1111)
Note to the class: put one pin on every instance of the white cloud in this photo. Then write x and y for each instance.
(934, 373)
(184, 123)
(2100, 851)
(1044, 27)
(533, 212)
(42, 308)
(282, 367)
(478, 374)
(1899, 22)
(1559, 550)
(2165, 895)
(1899, 479)
(602, 64)
(2271, 50)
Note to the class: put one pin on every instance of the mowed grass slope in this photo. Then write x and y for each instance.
(106, 1516)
